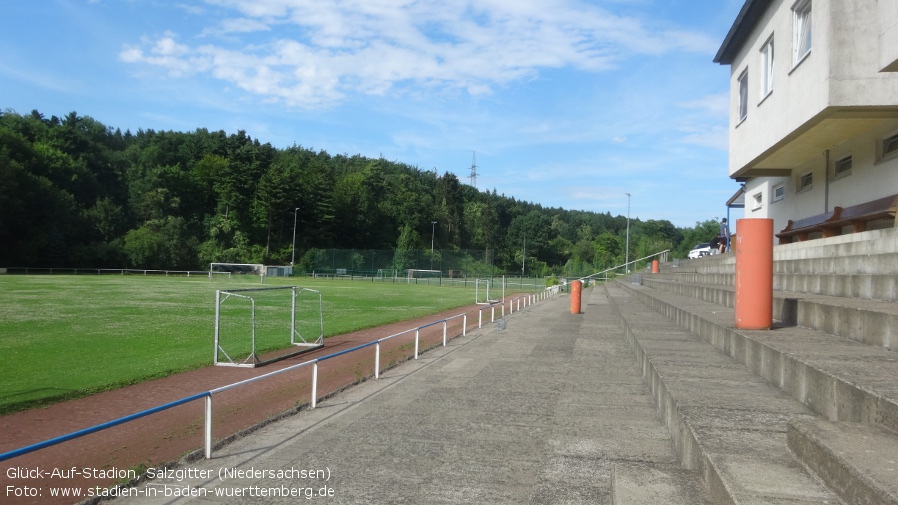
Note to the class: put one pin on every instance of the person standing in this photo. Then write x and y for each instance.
(724, 236)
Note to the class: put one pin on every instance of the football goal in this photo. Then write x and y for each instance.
(482, 292)
(231, 269)
(255, 326)
(386, 273)
(414, 274)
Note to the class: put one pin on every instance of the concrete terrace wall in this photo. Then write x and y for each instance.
(819, 403)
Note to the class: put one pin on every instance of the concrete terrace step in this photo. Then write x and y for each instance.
(644, 484)
(725, 422)
(872, 322)
(857, 461)
(838, 378)
(864, 286)
(871, 252)
(879, 263)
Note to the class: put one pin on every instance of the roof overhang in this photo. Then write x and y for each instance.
(737, 201)
(748, 17)
(824, 131)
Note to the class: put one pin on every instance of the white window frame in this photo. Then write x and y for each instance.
(805, 182)
(778, 192)
(758, 200)
(889, 147)
(742, 88)
(766, 79)
(842, 167)
(802, 31)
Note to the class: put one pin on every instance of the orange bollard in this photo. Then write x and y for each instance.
(576, 295)
(754, 274)
(655, 268)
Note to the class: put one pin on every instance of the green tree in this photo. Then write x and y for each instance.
(406, 244)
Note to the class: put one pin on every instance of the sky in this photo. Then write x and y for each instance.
(564, 103)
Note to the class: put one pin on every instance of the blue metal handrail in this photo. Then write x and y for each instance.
(208, 394)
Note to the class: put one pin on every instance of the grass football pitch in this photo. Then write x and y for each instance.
(66, 336)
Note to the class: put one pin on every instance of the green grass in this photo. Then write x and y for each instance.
(65, 336)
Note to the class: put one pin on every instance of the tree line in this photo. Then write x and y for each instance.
(77, 193)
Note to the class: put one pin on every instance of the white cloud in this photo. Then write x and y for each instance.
(713, 136)
(312, 54)
(717, 104)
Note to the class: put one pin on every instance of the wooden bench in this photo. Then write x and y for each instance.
(830, 224)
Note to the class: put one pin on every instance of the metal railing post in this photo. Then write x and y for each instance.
(417, 332)
(464, 325)
(314, 384)
(479, 319)
(377, 360)
(445, 325)
(208, 430)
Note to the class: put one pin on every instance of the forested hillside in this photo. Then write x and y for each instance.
(77, 193)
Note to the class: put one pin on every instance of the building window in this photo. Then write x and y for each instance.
(779, 191)
(767, 68)
(805, 182)
(842, 168)
(801, 26)
(889, 146)
(743, 95)
(758, 200)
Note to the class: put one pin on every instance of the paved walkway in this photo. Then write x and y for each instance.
(546, 411)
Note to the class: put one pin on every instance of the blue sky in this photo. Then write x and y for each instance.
(567, 103)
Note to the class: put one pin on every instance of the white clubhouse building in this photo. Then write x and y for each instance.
(814, 113)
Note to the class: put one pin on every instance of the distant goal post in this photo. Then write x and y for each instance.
(253, 326)
(482, 292)
(414, 274)
(230, 269)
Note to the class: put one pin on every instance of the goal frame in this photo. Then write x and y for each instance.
(412, 275)
(296, 339)
(258, 267)
(488, 300)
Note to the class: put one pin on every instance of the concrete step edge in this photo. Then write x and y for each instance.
(645, 484)
(855, 400)
(859, 462)
(689, 448)
(840, 316)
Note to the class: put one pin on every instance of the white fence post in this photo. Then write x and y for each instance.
(208, 430)
(377, 360)
(314, 384)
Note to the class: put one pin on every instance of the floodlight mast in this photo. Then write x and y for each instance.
(433, 230)
(627, 259)
(293, 257)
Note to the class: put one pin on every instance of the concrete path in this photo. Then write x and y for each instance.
(550, 410)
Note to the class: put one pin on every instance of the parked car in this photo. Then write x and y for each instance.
(703, 249)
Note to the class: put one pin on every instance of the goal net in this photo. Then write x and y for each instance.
(231, 269)
(414, 274)
(386, 273)
(482, 292)
(258, 326)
